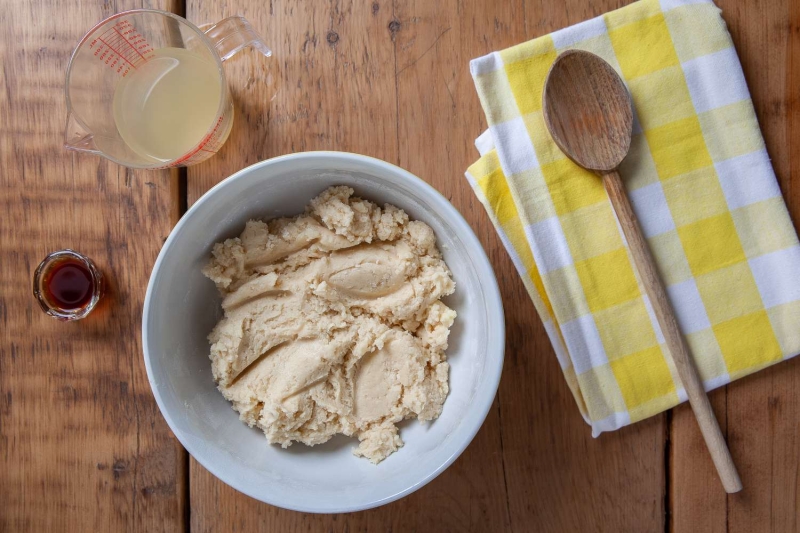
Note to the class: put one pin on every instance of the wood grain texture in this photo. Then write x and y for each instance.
(334, 89)
(588, 111)
(557, 477)
(392, 80)
(82, 444)
(762, 411)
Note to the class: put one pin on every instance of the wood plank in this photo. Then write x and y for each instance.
(697, 499)
(82, 445)
(557, 476)
(335, 96)
(335, 89)
(762, 410)
(338, 73)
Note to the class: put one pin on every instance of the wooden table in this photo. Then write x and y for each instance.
(82, 444)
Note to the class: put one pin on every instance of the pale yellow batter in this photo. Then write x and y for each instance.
(333, 323)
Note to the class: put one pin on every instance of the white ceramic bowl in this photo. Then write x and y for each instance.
(182, 306)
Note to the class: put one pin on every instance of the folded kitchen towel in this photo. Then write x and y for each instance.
(701, 183)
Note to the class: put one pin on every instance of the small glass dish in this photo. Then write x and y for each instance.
(67, 285)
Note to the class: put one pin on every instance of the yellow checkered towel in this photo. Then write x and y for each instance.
(701, 183)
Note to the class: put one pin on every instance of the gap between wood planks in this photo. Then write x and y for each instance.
(668, 471)
(183, 201)
(183, 205)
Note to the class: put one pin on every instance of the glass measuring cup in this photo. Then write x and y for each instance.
(125, 45)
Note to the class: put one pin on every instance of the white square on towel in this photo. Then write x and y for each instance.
(718, 381)
(666, 5)
(688, 305)
(549, 245)
(652, 209)
(486, 64)
(584, 343)
(514, 146)
(715, 80)
(777, 277)
(579, 32)
(610, 423)
(747, 179)
(485, 142)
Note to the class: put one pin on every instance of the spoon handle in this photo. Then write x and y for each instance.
(687, 372)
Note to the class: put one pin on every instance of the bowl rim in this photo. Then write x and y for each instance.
(491, 293)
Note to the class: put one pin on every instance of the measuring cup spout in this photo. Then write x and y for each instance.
(77, 137)
(232, 34)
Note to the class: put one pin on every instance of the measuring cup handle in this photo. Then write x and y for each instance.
(234, 33)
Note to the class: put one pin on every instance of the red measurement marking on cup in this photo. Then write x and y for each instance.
(210, 143)
(121, 47)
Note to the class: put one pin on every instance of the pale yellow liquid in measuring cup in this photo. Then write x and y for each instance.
(167, 105)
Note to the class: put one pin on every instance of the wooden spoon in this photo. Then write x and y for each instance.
(588, 112)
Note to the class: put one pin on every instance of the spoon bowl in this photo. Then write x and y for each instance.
(588, 110)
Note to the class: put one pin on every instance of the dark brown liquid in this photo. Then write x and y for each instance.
(69, 285)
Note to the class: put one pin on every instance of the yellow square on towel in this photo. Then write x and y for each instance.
(566, 293)
(711, 244)
(638, 169)
(720, 301)
(526, 77)
(601, 390)
(572, 187)
(697, 30)
(497, 109)
(661, 97)
(732, 123)
(668, 252)
(747, 342)
(498, 195)
(784, 319)
(591, 231)
(678, 147)
(531, 185)
(625, 328)
(712, 364)
(643, 376)
(694, 196)
(643, 47)
(546, 151)
(631, 13)
(607, 280)
(760, 230)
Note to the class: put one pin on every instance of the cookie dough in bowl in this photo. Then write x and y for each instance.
(333, 323)
(183, 306)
